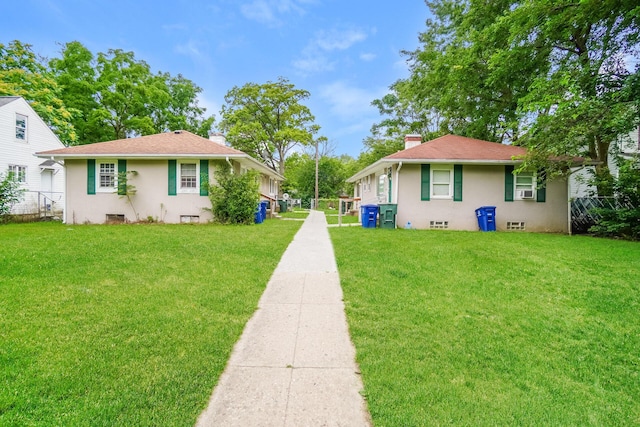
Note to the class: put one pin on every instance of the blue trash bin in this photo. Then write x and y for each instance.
(257, 217)
(486, 218)
(263, 209)
(369, 215)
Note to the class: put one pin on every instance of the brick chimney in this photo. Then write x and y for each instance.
(411, 141)
(218, 138)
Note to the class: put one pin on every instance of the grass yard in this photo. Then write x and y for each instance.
(468, 328)
(124, 325)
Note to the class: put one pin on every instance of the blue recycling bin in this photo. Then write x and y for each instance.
(263, 209)
(257, 216)
(486, 218)
(369, 215)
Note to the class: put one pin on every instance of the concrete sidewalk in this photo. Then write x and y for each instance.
(294, 363)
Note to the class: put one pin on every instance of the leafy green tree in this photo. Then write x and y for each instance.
(376, 148)
(332, 174)
(118, 96)
(10, 193)
(551, 75)
(268, 120)
(180, 110)
(234, 197)
(75, 73)
(23, 73)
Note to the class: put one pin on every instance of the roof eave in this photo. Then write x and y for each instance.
(386, 161)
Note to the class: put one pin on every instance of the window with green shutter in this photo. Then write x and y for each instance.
(91, 176)
(457, 183)
(541, 192)
(425, 182)
(508, 183)
(172, 177)
(204, 177)
(122, 172)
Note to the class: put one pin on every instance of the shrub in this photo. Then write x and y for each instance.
(10, 193)
(622, 219)
(234, 198)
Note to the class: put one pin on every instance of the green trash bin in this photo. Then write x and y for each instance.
(282, 204)
(388, 212)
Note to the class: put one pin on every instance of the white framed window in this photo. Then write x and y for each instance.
(441, 182)
(525, 186)
(189, 176)
(19, 173)
(381, 185)
(107, 178)
(273, 186)
(21, 127)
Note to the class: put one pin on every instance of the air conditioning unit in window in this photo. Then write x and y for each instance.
(526, 194)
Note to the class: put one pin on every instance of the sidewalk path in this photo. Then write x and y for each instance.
(294, 364)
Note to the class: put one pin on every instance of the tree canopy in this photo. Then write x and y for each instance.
(118, 96)
(23, 73)
(268, 120)
(553, 76)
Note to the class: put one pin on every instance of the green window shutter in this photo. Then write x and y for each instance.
(122, 171)
(457, 183)
(541, 192)
(91, 176)
(204, 177)
(508, 183)
(172, 177)
(425, 182)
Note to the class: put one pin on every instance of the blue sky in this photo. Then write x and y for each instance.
(346, 53)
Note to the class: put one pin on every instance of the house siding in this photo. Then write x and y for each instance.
(151, 199)
(18, 152)
(482, 186)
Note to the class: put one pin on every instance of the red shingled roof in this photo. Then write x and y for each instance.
(170, 143)
(453, 147)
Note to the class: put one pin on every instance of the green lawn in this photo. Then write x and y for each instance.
(124, 325)
(468, 328)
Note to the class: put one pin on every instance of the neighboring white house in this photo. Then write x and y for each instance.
(22, 134)
(625, 146)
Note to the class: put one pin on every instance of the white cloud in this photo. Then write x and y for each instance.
(335, 39)
(368, 57)
(190, 49)
(350, 102)
(314, 57)
(313, 64)
(268, 12)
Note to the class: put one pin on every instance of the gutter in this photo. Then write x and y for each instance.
(397, 186)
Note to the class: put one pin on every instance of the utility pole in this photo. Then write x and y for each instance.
(316, 200)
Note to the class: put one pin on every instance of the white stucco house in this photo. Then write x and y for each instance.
(167, 171)
(22, 134)
(439, 184)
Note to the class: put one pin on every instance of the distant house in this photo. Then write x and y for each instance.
(166, 169)
(625, 146)
(440, 184)
(22, 133)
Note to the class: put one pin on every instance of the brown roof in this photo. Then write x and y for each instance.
(178, 143)
(453, 147)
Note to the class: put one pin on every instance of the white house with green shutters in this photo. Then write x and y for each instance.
(22, 133)
(166, 171)
(439, 184)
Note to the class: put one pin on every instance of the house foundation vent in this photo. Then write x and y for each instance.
(115, 218)
(515, 225)
(439, 224)
(186, 219)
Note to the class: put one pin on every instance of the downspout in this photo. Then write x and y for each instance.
(230, 165)
(395, 190)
